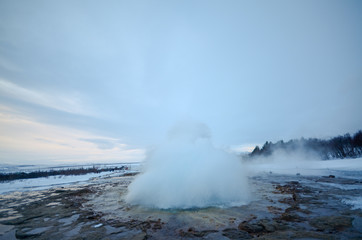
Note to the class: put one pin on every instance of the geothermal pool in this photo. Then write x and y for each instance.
(323, 204)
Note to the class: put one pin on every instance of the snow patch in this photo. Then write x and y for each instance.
(355, 203)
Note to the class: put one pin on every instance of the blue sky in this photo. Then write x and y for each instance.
(84, 81)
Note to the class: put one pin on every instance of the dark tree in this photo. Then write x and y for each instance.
(346, 146)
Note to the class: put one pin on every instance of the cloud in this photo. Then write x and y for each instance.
(23, 140)
(70, 103)
(105, 143)
(251, 72)
(6, 64)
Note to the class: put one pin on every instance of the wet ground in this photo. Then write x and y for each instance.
(283, 207)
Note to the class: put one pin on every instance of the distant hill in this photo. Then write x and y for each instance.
(340, 147)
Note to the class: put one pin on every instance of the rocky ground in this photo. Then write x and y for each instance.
(284, 207)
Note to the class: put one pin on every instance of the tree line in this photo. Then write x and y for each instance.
(345, 146)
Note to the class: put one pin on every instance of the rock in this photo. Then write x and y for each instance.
(294, 182)
(291, 217)
(192, 232)
(289, 188)
(144, 226)
(234, 233)
(216, 236)
(22, 235)
(269, 226)
(251, 227)
(274, 210)
(157, 226)
(295, 235)
(292, 209)
(139, 236)
(331, 223)
(331, 176)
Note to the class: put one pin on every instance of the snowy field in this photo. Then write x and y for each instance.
(305, 167)
(43, 183)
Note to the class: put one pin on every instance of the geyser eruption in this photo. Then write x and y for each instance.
(188, 172)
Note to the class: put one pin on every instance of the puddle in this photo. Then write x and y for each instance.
(10, 235)
(357, 223)
(5, 228)
(69, 220)
(37, 231)
(75, 231)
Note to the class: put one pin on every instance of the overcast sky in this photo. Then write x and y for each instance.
(102, 81)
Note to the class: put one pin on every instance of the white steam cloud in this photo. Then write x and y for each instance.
(188, 172)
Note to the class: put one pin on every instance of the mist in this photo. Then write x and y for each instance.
(187, 171)
(299, 160)
(283, 162)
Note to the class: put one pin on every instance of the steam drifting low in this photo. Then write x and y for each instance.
(188, 172)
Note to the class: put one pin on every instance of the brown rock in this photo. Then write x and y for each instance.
(291, 217)
(331, 223)
(234, 233)
(250, 227)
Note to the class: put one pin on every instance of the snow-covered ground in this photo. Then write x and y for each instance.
(305, 167)
(59, 180)
(45, 182)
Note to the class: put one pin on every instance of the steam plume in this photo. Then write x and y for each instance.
(188, 172)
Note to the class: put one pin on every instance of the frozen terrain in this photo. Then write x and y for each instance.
(42, 183)
(319, 200)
